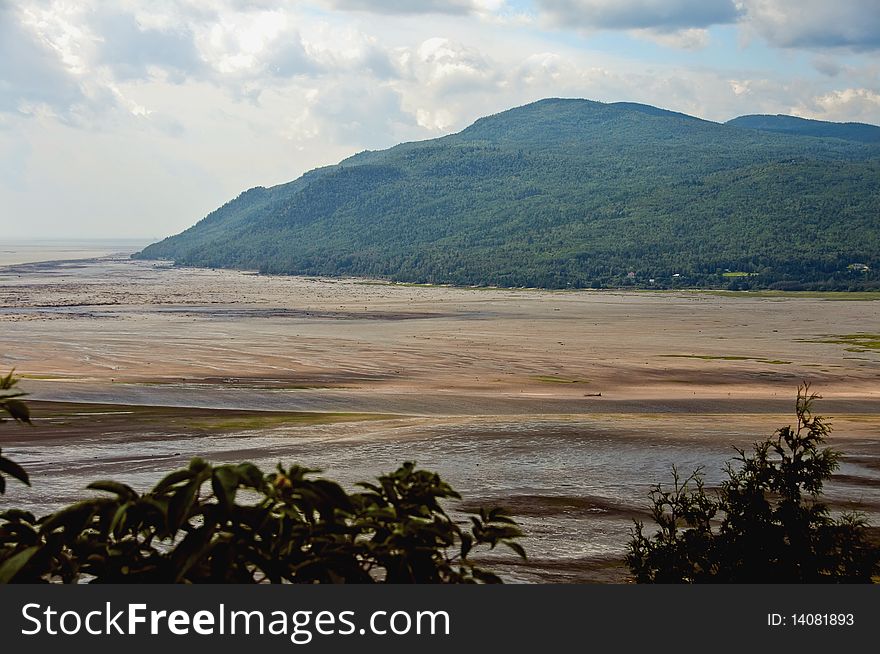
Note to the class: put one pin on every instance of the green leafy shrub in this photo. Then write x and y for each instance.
(236, 524)
(11, 405)
(765, 524)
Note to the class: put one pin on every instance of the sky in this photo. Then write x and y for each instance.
(130, 119)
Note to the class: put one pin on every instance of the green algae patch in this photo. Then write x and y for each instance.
(554, 379)
(844, 296)
(860, 342)
(711, 357)
(297, 419)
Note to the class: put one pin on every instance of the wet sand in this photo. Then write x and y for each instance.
(564, 406)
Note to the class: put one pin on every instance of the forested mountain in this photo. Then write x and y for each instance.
(576, 193)
(793, 125)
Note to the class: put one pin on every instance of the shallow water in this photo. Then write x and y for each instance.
(574, 485)
(14, 252)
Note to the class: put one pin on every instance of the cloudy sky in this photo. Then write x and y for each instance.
(134, 119)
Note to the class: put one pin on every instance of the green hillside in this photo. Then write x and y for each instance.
(805, 127)
(564, 193)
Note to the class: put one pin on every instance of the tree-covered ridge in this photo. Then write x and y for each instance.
(806, 127)
(566, 193)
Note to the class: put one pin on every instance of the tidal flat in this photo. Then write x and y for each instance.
(565, 407)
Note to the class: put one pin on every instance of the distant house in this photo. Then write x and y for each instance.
(858, 267)
(631, 275)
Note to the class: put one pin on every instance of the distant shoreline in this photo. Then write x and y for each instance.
(15, 252)
(723, 292)
(125, 248)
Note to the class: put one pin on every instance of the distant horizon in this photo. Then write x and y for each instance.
(77, 239)
(19, 251)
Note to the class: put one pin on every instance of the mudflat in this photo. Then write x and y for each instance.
(564, 406)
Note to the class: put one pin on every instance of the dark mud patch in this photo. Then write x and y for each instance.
(541, 506)
(240, 313)
(68, 420)
(58, 266)
(715, 375)
(588, 570)
(305, 380)
(871, 462)
(77, 312)
(857, 480)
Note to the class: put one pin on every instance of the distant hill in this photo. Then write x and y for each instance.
(860, 132)
(571, 193)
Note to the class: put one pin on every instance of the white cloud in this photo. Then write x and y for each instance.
(692, 38)
(59, 26)
(340, 49)
(356, 114)
(450, 67)
(664, 15)
(827, 65)
(853, 104)
(852, 24)
(805, 24)
(541, 68)
(418, 6)
(741, 86)
(32, 73)
(137, 51)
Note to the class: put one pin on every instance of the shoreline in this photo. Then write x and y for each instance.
(121, 250)
(720, 291)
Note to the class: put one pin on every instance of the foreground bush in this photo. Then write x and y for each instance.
(194, 527)
(12, 406)
(765, 524)
(236, 524)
